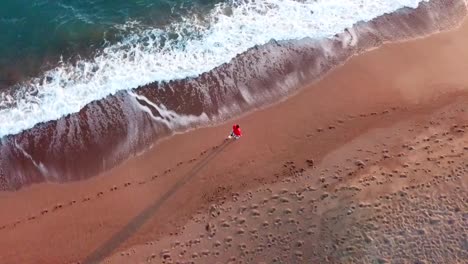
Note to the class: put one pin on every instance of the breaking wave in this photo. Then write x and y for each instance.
(184, 49)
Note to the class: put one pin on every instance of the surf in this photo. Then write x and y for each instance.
(185, 49)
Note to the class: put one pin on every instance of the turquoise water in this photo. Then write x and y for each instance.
(37, 32)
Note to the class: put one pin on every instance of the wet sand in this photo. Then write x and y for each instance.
(368, 164)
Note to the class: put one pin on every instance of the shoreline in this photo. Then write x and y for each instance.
(120, 126)
(79, 218)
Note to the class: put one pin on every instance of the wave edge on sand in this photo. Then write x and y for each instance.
(121, 125)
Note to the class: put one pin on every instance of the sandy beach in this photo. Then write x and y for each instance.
(367, 165)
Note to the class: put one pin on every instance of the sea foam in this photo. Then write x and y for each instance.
(184, 49)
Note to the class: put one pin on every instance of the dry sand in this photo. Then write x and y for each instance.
(365, 203)
(366, 166)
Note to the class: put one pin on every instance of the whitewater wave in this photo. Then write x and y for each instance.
(185, 49)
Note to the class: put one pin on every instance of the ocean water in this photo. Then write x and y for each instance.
(39, 31)
(106, 46)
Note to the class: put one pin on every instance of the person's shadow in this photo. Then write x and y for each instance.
(132, 227)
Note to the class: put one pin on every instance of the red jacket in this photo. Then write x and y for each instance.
(237, 131)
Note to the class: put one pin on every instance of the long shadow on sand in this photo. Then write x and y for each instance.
(117, 239)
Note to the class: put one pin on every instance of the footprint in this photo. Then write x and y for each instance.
(153, 256)
(228, 239)
(217, 244)
(271, 210)
(255, 213)
(241, 220)
(240, 231)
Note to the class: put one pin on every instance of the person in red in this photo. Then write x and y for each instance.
(236, 132)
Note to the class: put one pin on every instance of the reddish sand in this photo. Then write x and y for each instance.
(332, 135)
